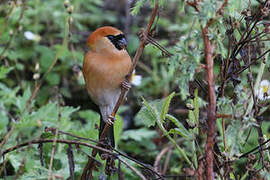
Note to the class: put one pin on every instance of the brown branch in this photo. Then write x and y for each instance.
(218, 13)
(167, 160)
(194, 4)
(158, 158)
(252, 62)
(157, 45)
(38, 141)
(140, 163)
(53, 130)
(211, 121)
(220, 10)
(76, 143)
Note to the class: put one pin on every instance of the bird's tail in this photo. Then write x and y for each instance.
(110, 136)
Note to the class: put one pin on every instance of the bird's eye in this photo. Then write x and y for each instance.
(110, 37)
(119, 41)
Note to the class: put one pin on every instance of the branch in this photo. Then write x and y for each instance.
(38, 141)
(211, 121)
(53, 130)
(132, 168)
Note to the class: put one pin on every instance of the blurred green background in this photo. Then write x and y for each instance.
(34, 34)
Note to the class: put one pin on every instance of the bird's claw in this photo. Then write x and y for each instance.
(110, 120)
(143, 36)
(126, 85)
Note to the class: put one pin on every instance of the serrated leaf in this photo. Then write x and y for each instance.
(147, 114)
(22, 100)
(234, 138)
(165, 106)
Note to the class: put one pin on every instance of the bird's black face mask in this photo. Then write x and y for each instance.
(119, 41)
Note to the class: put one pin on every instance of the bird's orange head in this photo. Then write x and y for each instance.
(108, 39)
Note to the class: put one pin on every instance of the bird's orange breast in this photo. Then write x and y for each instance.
(104, 73)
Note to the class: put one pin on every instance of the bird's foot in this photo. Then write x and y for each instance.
(126, 85)
(143, 36)
(111, 120)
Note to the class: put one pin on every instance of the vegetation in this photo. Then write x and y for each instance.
(187, 118)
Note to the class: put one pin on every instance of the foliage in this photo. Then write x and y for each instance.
(52, 58)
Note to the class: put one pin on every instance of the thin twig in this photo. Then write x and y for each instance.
(54, 145)
(167, 160)
(132, 168)
(38, 141)
(53, 130)
(157, 165)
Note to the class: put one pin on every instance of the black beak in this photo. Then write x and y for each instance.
(123, 43)
(118, 41)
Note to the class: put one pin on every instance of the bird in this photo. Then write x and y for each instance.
(105, 68)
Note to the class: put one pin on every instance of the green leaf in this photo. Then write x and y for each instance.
(234, 138)
(47, 114)
(138, 134)
(181, 130)
(165, 106)
(118, 128)
(53, 78)
(137, 7)
(4, 118)
(47, 56)
(147, 115)
(46, 135)
(22, 100)
(193, 115)
(4, 71)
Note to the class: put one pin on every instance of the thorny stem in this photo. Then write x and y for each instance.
(211, 121)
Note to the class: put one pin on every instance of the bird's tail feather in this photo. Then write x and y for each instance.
(110, 135)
